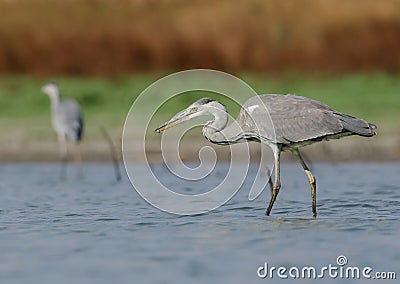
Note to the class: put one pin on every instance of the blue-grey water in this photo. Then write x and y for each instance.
(95, 230)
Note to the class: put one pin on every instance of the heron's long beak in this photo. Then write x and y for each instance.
(179, 118)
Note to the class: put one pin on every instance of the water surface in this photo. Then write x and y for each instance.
(94, 230)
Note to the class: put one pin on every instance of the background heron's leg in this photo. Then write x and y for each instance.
(63, 155)
(312, 181)
(78, 158)
(277, 184)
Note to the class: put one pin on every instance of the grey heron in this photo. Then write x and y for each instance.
(283, 122)
(67, 121)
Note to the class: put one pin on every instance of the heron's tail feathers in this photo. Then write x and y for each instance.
(357, 126)
(373, 127)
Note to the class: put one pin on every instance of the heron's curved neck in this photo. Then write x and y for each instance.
(212, 129)
(54, 98)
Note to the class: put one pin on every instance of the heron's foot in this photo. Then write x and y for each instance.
(313, 186)
(314, 199)
(274, 194)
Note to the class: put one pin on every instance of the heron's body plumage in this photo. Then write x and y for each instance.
(67, 119)
(296, 121)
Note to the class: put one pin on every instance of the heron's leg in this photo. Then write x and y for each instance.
(270, 184)
(277, 184)
(78, 158)
(312, 181)
(63, 155)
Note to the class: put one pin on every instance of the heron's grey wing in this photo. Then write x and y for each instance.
(255, 121)
(71, 116)
(309, 119)
(288, 118)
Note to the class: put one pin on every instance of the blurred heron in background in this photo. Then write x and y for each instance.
(67, 121)
(283, 122)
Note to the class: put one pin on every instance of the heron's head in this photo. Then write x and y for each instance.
(51, 90)
(198, 108)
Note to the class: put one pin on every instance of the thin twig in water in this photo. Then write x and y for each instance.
(114, 153)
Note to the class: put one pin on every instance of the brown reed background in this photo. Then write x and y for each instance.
(98, 37)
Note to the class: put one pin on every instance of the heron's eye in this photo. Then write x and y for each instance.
(193, 109)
